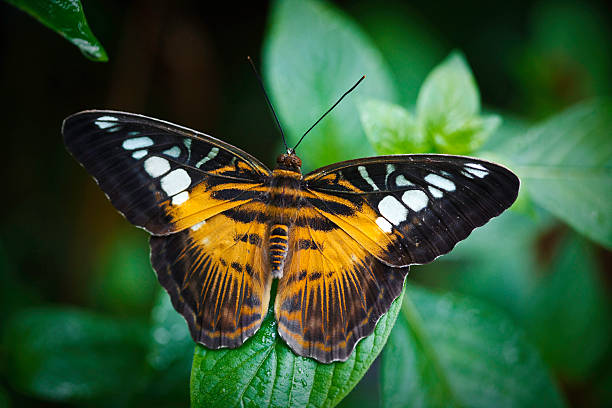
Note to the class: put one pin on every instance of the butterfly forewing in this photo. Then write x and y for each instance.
(179, 185)
(410, 209)
(162, 177)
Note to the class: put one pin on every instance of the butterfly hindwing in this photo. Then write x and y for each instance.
(216, 275)
(332, 292)
(410, 209)
(161, 176)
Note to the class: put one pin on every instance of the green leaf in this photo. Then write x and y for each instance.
(124, 283)
(448, 108)
(497, 263)
(312, 54)
(565, 164)
(4, 398)
(390, 128)
(455, 351)
(568, 310)
(264, 372)
(170, 354)
(66, 17)
(66, 354)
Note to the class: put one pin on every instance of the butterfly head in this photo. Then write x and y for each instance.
(289, 161)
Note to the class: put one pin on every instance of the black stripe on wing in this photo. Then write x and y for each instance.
(428, 202)
(141, 163)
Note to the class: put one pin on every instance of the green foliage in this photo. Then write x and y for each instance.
(455, 351)
(66, 354)
(567, 59)
(561, 326)
(408, 44)
(448, 108)
(531, 295)
(447, 116)
(124, 283)
(264, 372)
(565, 164)
(65, 17)
(390, 128)
(308, 63)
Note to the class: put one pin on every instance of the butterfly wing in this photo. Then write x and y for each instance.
(333, 290)
(410, 209)
(161, 177)
(217, 275)
(364, 223)
(181, 186)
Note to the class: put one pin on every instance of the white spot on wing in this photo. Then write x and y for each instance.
(139, 154)
(401, 181)
(174, 151)
(477, 166)
(477, 173)
(180, 198)
(211, 155)
(156, 166)
(198, 226)
(416, 200)
(466, 174)
(384, 225)
(392, 209)
(441, 182)
(175, 181)
(364, 173)
(435, 192)
(104, 122)
(137, 143)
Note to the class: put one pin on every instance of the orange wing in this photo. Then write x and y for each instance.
(333, 291)
(217, 275)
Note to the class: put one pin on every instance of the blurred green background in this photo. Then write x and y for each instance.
(83, 321)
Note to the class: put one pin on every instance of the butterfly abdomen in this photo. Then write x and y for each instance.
(279, 237)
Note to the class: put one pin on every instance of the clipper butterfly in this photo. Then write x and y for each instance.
(339, 239)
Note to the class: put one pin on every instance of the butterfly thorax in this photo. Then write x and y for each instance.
(285, 199)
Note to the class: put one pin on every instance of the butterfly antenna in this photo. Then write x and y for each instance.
(329, 110)
(269, 103)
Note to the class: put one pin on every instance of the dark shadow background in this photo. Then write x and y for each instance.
(185, 62)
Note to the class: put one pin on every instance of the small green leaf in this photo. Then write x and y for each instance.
(66, 354)
(66, 17)
(568, 311)
(264, 372)
(565, 164)
(455, 351)
(448, 108)
(390, 128)
(312, 54)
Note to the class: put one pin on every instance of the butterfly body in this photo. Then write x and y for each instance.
(339, 239)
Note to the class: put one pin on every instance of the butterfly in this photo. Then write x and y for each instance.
(339, 240)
